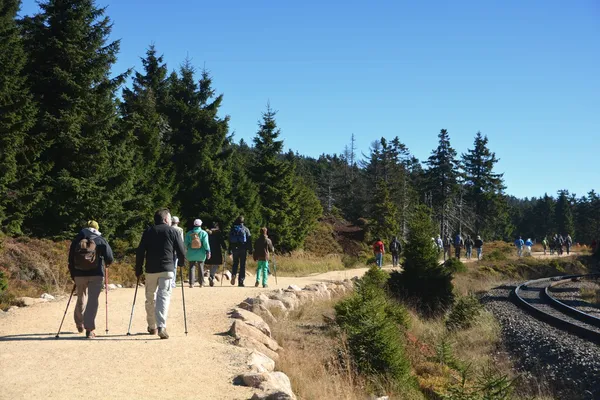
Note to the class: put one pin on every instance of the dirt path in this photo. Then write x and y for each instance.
(33, 364)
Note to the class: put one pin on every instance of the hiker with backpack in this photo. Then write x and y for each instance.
(217, 245)
(519, 243)
(240, 244)
(478, 244)
(175, 225)
(87, 254)
(159, 247)
(469, 246)
(545, 244)
(458, 244)
(528, 246)
(447, 247)
(197, 252)
(378, 251)
(568, 244)
(262, 249)
(395, 249)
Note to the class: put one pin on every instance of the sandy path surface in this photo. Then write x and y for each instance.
(35, 365)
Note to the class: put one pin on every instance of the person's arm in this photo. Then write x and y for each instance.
(270, 246)
(206, 245)
(180, 250)
(109, 257)
(140, 255)
(248, 239)
(71, 261)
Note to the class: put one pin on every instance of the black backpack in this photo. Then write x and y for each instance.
(395, 246)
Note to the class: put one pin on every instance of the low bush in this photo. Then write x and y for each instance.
(454, 265)
(464, 313)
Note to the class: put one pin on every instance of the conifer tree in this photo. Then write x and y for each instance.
(87, 162)
(543, 217)
(244, 189)
(564, 214)
(442, 176)
(385, 213)
(18, 151)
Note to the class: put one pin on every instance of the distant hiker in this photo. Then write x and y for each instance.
(544, 244)
(478, 246)
(240, 244)
(159, 247)
(197, 251)
(262, 249)
(217, 244)
(447, 247)
(528, 245)
(440, 244)
(519, 243)
(378, 251)
(395, 249)
(86, 255)
(469, 246)
(458, 244)
(558, 244)
(568, 243)
(175, 225)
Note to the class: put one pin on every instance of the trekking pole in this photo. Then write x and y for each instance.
(275, 270)
(133, 306)
(65, 314)
(223, 272)
(183, 298)
(105, 291)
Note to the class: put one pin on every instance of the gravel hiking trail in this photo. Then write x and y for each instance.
(35, 365)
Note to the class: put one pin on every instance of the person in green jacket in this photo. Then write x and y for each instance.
(198, 251)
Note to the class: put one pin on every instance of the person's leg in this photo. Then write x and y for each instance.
(258, 271)
(94, 289)
(242, 275)
(174, 281)
(81, 283)
(201, 277)
(265, 269)
(234, 267)
(151, 285)
(192, 276)
(163, 299)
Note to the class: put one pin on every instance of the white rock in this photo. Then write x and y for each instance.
(253, 344)
(274, 385)
(12, 309)
(47, 297)
(119, 286)
(258, 362)
(295, 288)
(251, 319)
(241, 329)
(275, 305)
(112, 286)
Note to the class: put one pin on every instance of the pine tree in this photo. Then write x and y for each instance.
(483, 187)
(142, 118)
(564, 214)
(19, 172)
(201, 147)
(543, 217)
(385, 213)
(245, 191)
(86, 160)
(441, 178)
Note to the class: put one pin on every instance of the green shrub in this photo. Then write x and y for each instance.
(424, 282)
(373, 327)
(3, 281)
(454, 265)
(464, 313)
(495, 255)
(489, 385)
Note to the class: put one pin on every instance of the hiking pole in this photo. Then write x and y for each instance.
(133, 306)
(183, 298)
(105, 291)
(223, 272)
(275, 270)
(65, 314)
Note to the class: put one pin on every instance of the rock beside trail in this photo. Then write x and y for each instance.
(12, 309)
(112, 286)
(258, 362)
(273, 385)
(119, 286)
(253, 344)
(295, 288)
(241, 329)
(47, 297)
(29, 301)
(252, 319)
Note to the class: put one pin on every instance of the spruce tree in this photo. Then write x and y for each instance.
(19, 172)
(442, 178)
(483, 187)
(87, 161)
(564, 214)
(385, 213)
(543, 219)
(244, 190)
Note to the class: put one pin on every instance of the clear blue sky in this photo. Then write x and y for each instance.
(525, 73)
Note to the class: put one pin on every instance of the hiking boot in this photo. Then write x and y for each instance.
(80, 328)
(152, 331)
(90, 334)
(265, 286)
(256, 284)
(162, 333)
(241, 284)
(211, 281)
(232, 280)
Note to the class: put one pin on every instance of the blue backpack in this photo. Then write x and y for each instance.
(237, 234)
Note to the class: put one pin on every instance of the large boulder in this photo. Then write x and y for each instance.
(273, 385)
(295, 288)
(251, 319)
(241, 329)
(289, 300)
(253, 344)
(258, 362)
(271, 304)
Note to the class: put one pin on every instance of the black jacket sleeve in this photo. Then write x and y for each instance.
(109, 257)
(140, 255)
(248, 240)
(179, 249)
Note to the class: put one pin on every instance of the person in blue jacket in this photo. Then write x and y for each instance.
(528, 245)
(519, 243)
(198, 251)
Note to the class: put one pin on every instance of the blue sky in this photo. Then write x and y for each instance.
(525, 73)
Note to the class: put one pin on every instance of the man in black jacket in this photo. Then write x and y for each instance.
(157, 248)
(240, 244)
(86, 253)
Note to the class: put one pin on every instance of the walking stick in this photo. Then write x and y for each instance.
(133, 306)
(65, 314)
(183, 298)
(275, 270)
(223, 272)
(105, 291)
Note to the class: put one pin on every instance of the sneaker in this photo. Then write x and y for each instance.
(232, 280)
(256, 284)
(90, 334)
(152, 331)
(241, 284)
(80, 328)
(211, 281)
(265, 286)
(162, 333)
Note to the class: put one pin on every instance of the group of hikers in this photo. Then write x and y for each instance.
(442, 246)
(555, 245)
(162, 249)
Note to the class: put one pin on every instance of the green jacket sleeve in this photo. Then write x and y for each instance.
(186, 243)
(205, 244)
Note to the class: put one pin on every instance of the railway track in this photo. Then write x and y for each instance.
(536, 298)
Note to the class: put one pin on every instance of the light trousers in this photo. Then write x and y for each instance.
(158, 298)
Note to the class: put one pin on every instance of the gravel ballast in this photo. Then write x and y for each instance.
(546, 356)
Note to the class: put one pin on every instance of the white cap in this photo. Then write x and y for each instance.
(175, 220)
(198, 222)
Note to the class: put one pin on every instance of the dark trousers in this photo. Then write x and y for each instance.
(457, 252)
(395, 258)
(239, 259)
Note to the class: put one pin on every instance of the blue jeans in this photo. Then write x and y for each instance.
(479, 251)
(379, 259)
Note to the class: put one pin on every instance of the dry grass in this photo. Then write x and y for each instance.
(591, 295)
(301, 263)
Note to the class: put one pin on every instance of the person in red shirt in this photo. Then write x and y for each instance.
(379, 251)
